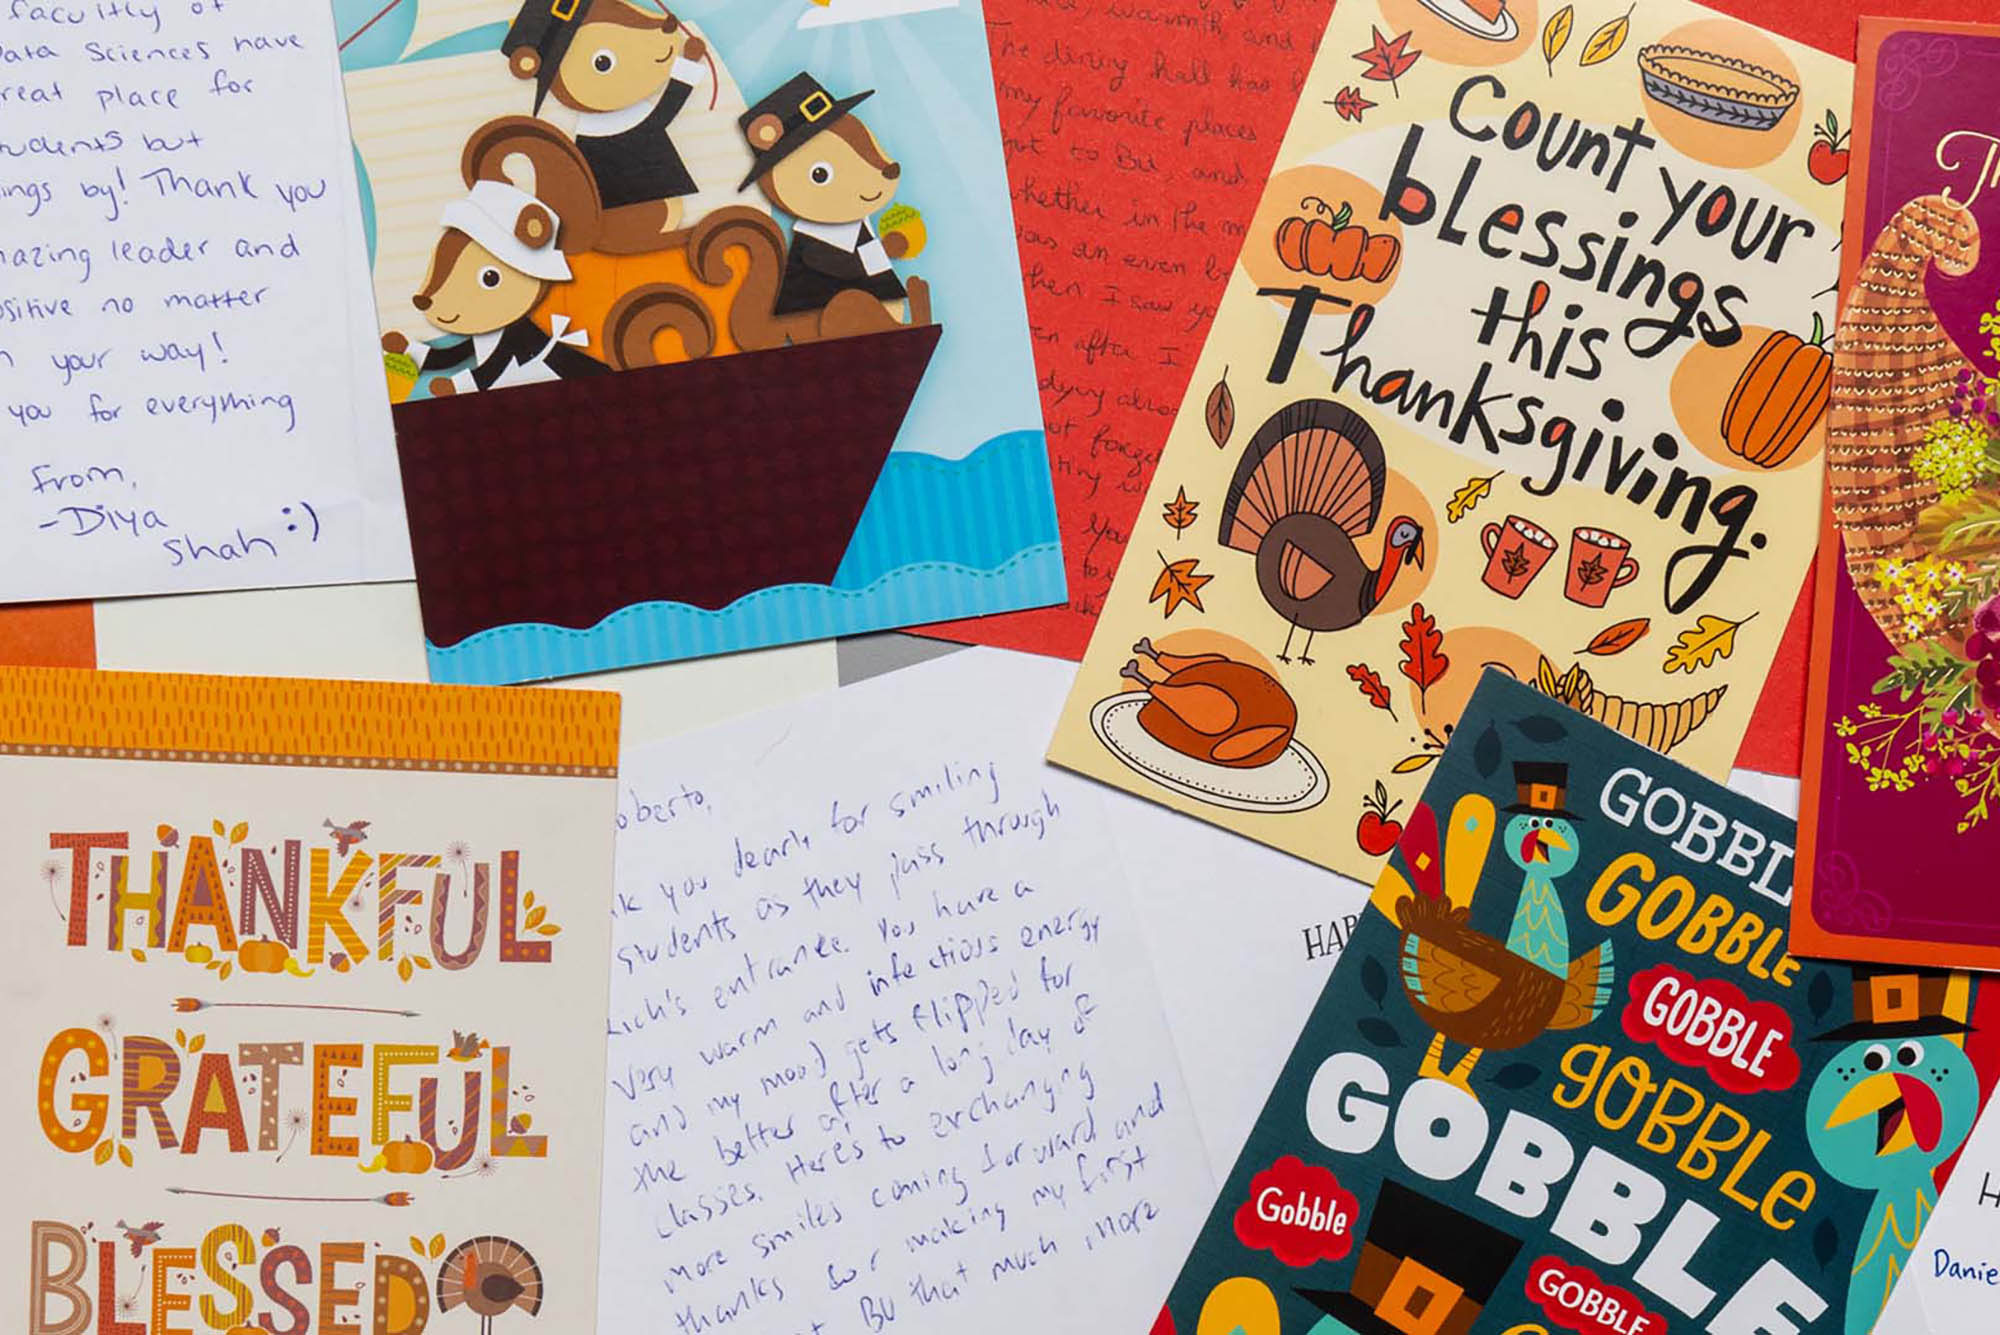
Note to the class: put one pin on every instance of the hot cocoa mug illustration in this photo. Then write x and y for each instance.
(1516, 551)
(1599, 561)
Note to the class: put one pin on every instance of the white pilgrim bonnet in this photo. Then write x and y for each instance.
(488, 215)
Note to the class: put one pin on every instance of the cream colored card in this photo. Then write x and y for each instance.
(303, 1004)
(1521, 366)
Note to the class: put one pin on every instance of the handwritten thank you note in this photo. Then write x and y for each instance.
(188, 392)
(884, 1048)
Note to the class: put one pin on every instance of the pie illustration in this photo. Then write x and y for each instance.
(1481, 18)
(1716, 88)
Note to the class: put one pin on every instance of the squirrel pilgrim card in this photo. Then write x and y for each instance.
(1522, 365)
(1567, 1075)
(704, 324)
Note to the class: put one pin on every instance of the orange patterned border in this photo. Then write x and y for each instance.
(296, 721)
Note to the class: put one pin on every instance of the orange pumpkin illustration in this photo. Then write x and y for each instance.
(1331, 245)
(262, 956)
(1779, 398)
(406, 1156)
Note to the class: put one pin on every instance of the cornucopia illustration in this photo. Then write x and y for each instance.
(1913, 462)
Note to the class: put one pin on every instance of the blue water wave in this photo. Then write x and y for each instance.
(661, 632)
(976, 512)
(940, 539)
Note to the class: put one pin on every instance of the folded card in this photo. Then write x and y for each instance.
(1903, 736)
(1521, 364)
(705, 327)
(1567, 1075)
(301, 1022)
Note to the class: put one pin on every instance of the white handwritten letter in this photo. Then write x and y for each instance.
(191, 396)
(885, 1050)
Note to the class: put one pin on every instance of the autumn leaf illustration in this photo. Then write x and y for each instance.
(1179, 583)
(1424, 661)
(1514, 561)
(1411, 764)
(1555, 35)
(1350, 105)
(1387, 58)
(1591, 572)
(1467, 498)
(1371, 684)
(1179, 512)
(1545, 677)
(1709, 639)
(1616, 639)
(1220, 411)
(1608, 40)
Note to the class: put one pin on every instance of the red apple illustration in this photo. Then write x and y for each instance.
(1829, 157)
(1376, 832)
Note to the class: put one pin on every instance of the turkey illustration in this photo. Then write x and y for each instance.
(1308, 488)
(1207, 719)
(491, 1276)
(1212, 708)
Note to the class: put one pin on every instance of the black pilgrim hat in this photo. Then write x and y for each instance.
(782, 121)
(1423, 1268)
(1540, 788)
(547, 27)
(1898, 1001)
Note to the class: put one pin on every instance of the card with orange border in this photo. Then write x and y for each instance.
(299, 973)
(1898, 822)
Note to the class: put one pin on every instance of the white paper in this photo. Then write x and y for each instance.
(191, 391)
(1952, 1285)
(1242, 938)
(885, 1047)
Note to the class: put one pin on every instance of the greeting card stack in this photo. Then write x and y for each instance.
(1542, 354)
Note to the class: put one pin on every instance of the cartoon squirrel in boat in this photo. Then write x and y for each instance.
(736, 258)
(612, 198)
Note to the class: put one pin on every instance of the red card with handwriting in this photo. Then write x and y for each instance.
(1137, 140)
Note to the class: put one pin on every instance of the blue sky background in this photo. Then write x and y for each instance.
(934, 112)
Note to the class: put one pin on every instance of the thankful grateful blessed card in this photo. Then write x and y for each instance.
(1521, 365)
(1567, 1076)
(297, 976)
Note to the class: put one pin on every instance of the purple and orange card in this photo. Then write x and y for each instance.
(1899, 827)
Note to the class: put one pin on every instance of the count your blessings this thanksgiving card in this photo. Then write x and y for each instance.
(301, 985)
(1522, 365)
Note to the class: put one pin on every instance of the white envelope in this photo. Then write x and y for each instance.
(1953, 1282)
